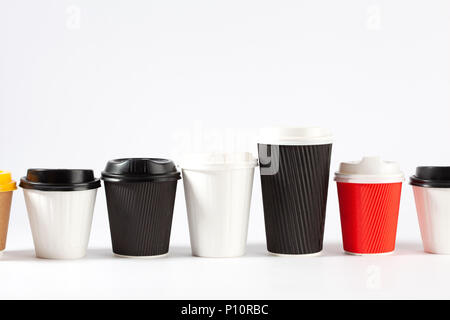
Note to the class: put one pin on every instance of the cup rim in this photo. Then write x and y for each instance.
(150, 170)
(70, 174)
(433, 177)
(295, 136)
(417, 182)
(368, 179)
(218, 161)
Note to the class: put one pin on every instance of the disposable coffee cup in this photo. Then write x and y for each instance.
(7, 187)
(431, 186)
(140, 195)
(369, 199)
(60, 205)
(295, 168)
(218, 190)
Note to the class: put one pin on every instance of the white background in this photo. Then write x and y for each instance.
(82, 82)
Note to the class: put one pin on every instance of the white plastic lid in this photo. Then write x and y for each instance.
(295, 136)
(201, 161)
(369, 170)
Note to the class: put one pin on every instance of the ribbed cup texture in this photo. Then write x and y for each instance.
(295, 198)
(369, 215)
(140, 216)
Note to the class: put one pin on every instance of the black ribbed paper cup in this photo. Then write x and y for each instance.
(140, 195)
(294, 181)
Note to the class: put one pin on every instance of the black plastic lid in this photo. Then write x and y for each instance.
(140, 169)
(432, 177)
(60, 180)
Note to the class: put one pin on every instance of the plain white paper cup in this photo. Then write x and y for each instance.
(60, 222)
(218, 195)
(433, 211)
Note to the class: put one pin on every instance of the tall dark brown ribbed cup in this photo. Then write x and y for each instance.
(140, 216)
(294, 182)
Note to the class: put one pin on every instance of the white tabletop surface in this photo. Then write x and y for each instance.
(408, 273)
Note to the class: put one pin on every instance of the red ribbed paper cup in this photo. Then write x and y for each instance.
(369, 199)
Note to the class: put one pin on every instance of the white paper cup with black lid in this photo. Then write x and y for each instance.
(431, 186)
(60, 205)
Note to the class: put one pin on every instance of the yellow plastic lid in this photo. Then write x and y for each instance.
(6, 182)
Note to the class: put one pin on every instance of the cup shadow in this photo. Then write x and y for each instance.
(254, 250)
(18, 255)
(402, 248)
(409, 248)
(29, 255)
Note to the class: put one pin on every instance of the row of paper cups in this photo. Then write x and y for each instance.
(294, 171)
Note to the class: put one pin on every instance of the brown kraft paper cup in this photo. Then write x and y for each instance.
(5, 208)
